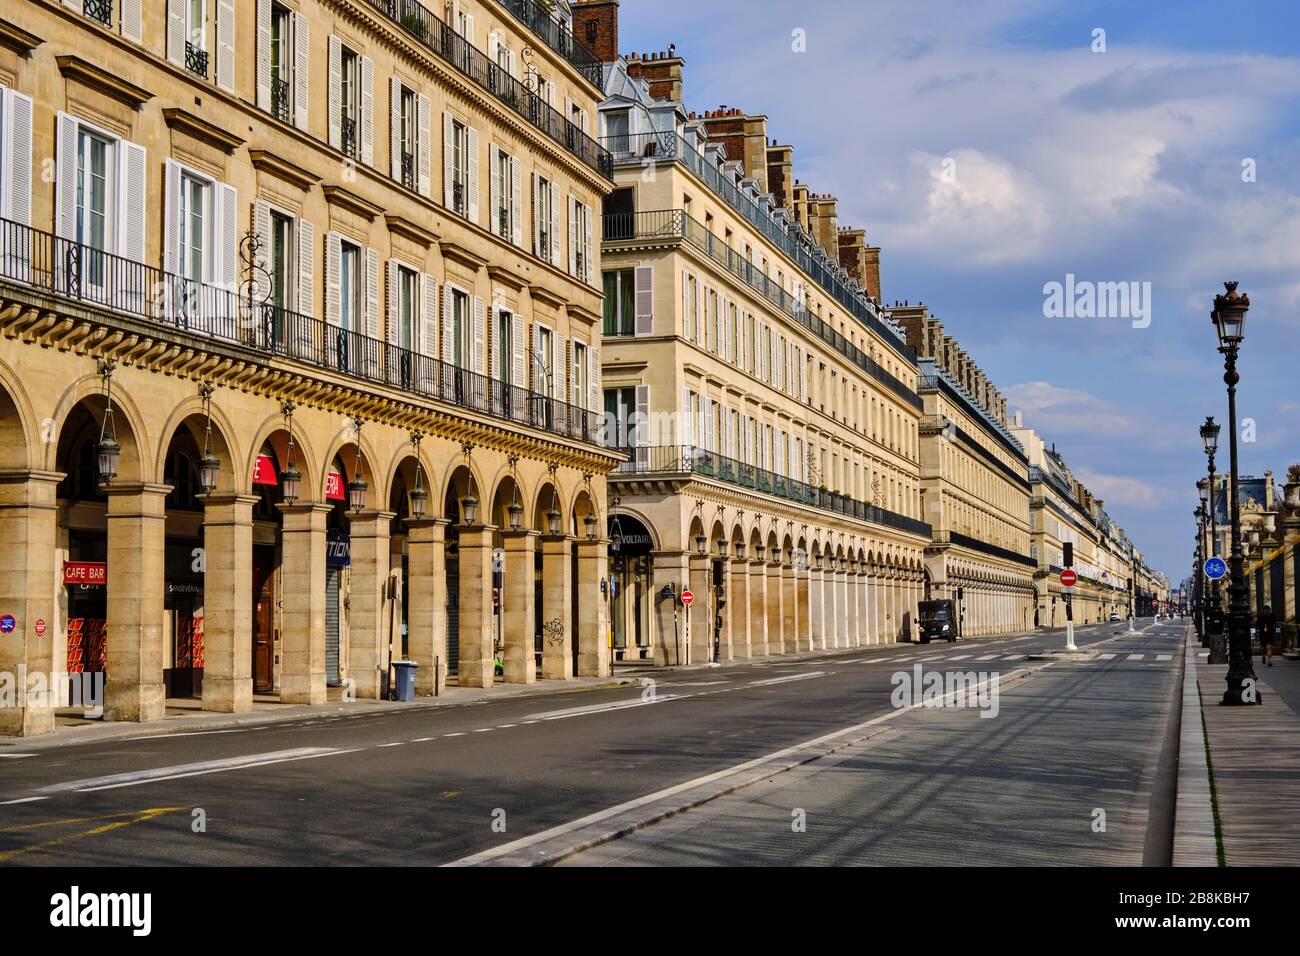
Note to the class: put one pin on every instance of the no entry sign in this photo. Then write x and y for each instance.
(1068, 578)
(687, 598)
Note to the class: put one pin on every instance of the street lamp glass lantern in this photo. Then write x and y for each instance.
(209, 470)
(109, 453)
(553, 521)
(357, 489)
(516, 513)
(700, 543)
(740, 549)
(290, 483)
(590, 523)
(723, 545)
(1229, 316)
(469, 509)
(1210, 435)
(419, 503)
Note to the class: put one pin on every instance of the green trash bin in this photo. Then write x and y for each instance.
(405, 680)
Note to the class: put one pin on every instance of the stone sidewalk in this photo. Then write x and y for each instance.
(1255, 762)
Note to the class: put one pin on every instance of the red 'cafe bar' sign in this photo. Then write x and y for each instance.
(85, 572)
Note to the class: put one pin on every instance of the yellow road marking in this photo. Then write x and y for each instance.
(139, 816)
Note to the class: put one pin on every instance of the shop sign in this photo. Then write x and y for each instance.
(334, 490)
(338, 549)
(85, 572)
(264, 471)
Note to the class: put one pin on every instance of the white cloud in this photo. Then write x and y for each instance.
(1122, 490)
(1051, 410)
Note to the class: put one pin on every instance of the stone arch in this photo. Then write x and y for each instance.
(19, 431)
(496, 509)
(343, 446)
(272, 431)
(87, 394)
(189, 415)
(546, 497)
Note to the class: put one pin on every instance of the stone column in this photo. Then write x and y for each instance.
(302, 614)
(701, 631)
(738, 608)
(477, 662)
(806, 640)
(864, 619)
(593, 616)
(228, 602)
(758, 646)
(557, 607)
(775, 611)
(518, 606)
(852, 638)
(426, 611)
(29, 591)
(670, 571)
(137, 519)
(368, 609)
(789, 606)
(817, 608)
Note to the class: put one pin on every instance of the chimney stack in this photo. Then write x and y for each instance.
(595, 26)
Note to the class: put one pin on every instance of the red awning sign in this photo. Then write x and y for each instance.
(85, 572)
(264, 470)
(334, 487)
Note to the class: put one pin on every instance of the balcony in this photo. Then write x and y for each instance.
(348, 137)
(79, 275)
(408, 170)
(691, 460)
(280, 99)
(196, 60)
(671, 147)
(439, 38)
(674, 224)
(975, 544)
(558, 37)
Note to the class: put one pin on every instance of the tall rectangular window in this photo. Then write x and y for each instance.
(408, 283)
(460, 330)
(579, 373)
(544, 213)
(94, 175)
(195, 216)
(620, 302)
(409, 132)
(351, 305)
(501, 219)
(350, 105)
(196, 56)
(460, 168)
(282, 62)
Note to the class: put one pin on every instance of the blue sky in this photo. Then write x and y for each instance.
(1122, 165)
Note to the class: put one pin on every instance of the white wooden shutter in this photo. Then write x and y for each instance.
(448, 160)
(519, 372)
(556, 247)
(699, 313)
(644, 281)
(479, 336)
(471, 139)
(131, 20)
(392, 325)
(226, 44)
(557, 366)
(422, 145)
(448, 327)
(469, 28)
(301, 67)
(573, 236)
(65, 176)
(593, 380)
(395, 127)
(576, 388)
(16, 161)
(305, 295)
(536, 384)
(368, 111)
(493, 345)
(333, 278)
(586, 244)
(429, 315)
(516, 195)
(688, 331)
(335, 91)
(686, 438)
(176, 31)
(171, 216)
(131, 200)
(642, 424)
(264, 54)
(372, 293)
(225, 264)
(495, 188)
(537, 214)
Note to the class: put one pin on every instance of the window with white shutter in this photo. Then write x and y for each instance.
(16, 160)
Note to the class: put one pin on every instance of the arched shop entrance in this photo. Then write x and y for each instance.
(631, 604)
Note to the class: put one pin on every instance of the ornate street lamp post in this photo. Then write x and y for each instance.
(1213, 605)
(1229, 322)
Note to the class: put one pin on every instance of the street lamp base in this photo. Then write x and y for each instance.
(1245, 692)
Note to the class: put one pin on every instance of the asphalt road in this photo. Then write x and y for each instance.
(421, 786)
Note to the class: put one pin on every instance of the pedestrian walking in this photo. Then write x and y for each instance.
(1266, 629)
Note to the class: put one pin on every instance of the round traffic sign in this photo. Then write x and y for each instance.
(687, 598)
(7, 623)
(1215, 568)
(40, 627)
(1069, 578)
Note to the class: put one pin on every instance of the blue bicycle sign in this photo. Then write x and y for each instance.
(1215, 568)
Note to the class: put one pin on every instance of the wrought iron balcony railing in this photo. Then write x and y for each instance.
(503, 222)
(441, 39)
(975, 544)
(196, 60)
(671, 147)
(101, 10)
(408, 170)
(280, 99)
(348, 137)
(458, 198)
(675, 224)
(692, 460)
(69, 271)
(558, 37)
